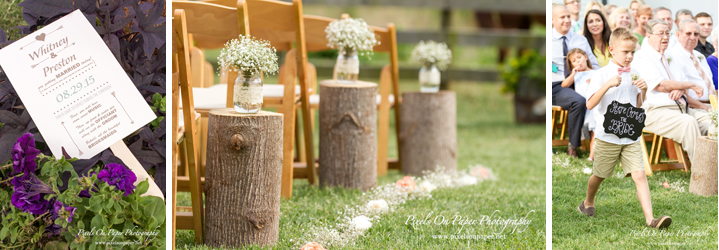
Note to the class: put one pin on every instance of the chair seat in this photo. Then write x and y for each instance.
(215, 97)
(315, 100)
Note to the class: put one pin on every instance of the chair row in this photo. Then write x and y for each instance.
(209, 25)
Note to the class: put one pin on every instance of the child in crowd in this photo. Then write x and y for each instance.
(582, 72)
(617, 81)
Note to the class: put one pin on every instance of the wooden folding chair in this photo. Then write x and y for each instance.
(184, 137)
(389, 82)
(652, 156)
(274, 21)
(559, 126)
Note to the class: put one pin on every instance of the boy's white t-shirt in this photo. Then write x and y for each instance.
(581, 86)
(626, 92)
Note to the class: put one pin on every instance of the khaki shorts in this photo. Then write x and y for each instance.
(606, 155)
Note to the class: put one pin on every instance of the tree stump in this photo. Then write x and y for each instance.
(704, 168)
(348, 135)
(243, 178)
(428, 131)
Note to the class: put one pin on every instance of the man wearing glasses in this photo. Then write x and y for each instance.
(693, 64)
(665, 105)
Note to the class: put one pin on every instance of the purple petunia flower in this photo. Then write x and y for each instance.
(119, 176)
(59, 210)
(63, 211)
(29, 194)
(24, 154)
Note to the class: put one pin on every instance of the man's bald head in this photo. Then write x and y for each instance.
(561, 19)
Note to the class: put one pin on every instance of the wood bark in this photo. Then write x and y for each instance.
(704, 168)
(243, 178)
(348, 135)
(428, 131)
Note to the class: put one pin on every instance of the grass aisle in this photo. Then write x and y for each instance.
(619, 221)
(487, 135)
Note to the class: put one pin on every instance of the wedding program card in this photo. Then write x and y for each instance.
(77, 93)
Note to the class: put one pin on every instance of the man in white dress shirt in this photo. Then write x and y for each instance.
(562, 41)
(666, 15)
(693, 64)
(667, 113)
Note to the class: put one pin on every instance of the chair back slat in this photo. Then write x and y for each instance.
(211, 25)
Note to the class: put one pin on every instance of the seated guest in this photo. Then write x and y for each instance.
(692, 63)
(574, 6)
(597, 32)
(681, 15)
(591, 5)
(644, 14)
(666, 115)
(705, 23)
(608, 9)
(620, 18)
(666, 15)
(634, 7)
(582, 73)
(562, 41)
(712, 59)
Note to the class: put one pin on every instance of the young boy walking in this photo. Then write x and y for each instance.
(618, 82)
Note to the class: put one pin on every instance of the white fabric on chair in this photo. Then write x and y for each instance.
(315, 99)
(215, 97)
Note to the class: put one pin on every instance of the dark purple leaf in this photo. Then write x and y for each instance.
(113, 44)
(47, 8)
(3, 36)
(151, 32)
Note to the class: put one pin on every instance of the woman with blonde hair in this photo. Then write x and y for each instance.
(596, 5)
(621, 17)
(634, 6)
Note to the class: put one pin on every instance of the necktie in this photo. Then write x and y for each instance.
(625, 69)
(710, 86)
(565, 50)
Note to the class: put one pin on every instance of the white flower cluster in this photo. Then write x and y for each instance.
(713, 114)
(355, 220)
(432, 53)
(351, 35)
(249, 56)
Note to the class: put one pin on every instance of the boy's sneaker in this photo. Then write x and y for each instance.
(585, 210)
(661, 222)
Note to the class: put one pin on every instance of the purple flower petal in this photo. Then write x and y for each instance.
(119, 176)
(24, 154)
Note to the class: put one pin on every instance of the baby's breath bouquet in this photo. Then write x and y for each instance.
(433, 57)
(249, 57)
(349, 36)
(429, 53)
(713, 114)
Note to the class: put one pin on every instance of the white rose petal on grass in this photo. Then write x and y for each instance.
(426, 186)
(466, 180)
(361, 223)
(587, 170)
(378, 205)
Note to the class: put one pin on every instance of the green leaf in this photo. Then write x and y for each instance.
(142, 187)
(13, 234)
(98, 222)
(46, 168)
(3, 232)
(55, 245)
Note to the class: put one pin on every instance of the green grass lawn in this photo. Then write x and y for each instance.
(487, 135)
(619, 221)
